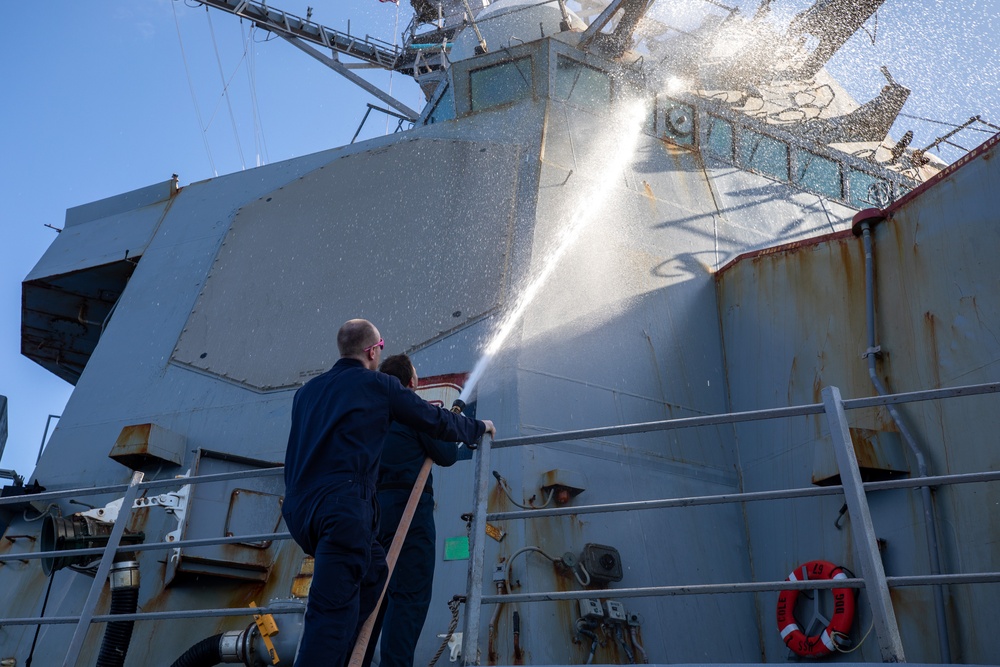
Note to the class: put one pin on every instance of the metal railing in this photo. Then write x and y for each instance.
(873, 578)
(107, 553)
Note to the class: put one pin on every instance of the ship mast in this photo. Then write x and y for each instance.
(306, 34)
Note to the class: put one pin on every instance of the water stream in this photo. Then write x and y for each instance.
(610, 155)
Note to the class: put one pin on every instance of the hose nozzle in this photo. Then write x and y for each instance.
(458, 406)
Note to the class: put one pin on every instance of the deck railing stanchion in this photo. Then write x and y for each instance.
(114, 539)
(876, 588)
(477, 556)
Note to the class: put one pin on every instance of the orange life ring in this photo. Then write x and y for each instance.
(843, 611)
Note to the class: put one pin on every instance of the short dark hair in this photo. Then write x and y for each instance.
(399, 366)
(354, 336)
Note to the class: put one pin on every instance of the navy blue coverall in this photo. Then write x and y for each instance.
(409, 593)
(339, 420)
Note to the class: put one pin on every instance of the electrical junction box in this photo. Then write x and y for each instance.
(603, 563)
(616, 611)
(591, 608)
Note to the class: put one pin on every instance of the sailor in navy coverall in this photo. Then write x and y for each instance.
(409, 593)
(339, 420)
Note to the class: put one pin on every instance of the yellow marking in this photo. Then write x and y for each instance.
(267, 627)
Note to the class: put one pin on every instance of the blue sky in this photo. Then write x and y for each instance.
(97, 102)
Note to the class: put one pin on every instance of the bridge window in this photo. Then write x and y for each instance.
(501, 83)
(444, 108)
(720, 137)
(581, 84)
(763, 154)
(818, 174)
(867, 191)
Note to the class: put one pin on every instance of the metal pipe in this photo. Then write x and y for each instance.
(482, 48)
(114, 539)
(516, 623)
(750, 496)
(863, 531)
(692, 501)
(477, 554)
(154, 484)
(45, 436)
(933, 551)
(149, 546)
(634, 633)
(491, 630)
(747, 416)
(158, 615)
(653, 591)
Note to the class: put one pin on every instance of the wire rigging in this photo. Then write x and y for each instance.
(225, 87)
(194, 99)
(258, 129)
(947, 124)
(395, 30)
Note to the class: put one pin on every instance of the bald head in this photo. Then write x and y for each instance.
(354, 336)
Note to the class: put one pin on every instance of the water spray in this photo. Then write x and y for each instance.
(625, 142)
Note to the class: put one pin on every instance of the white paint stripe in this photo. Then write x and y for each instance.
(789, 629)
(828, 640)
(792, 577)
(840, 575)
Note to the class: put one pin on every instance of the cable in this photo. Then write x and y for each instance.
(41, 614)
(258, 129)
(577, 575)
(620, 637)
(844, 636)
(225, 86)
(505, 487)
(194, 99)
(506, 569)
(41, 515)
(395, 29)
(583, 628)
(941, 122)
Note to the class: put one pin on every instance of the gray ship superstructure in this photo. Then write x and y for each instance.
(717, 265)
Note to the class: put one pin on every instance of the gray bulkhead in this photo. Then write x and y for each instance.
(794, 321)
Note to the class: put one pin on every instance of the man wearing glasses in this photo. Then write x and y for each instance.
(339, 420)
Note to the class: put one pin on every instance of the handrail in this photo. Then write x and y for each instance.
(751, 587)
(156, 615)
(873, 577)
(746, 416)
(833, 406)
(149, 546)
(751, 496)
(132, 490)
(152, 484)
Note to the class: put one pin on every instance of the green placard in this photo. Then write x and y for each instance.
(456, 548)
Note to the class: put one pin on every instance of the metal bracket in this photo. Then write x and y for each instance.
(172, 502)
(108, 513)
(872, 351)
(454, 646)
